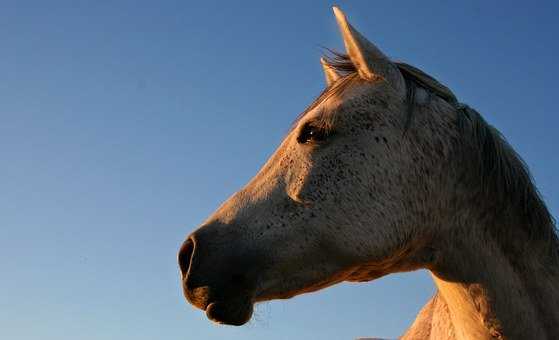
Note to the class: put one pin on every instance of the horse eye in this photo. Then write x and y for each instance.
(312, 134)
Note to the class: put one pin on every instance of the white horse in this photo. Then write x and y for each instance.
(386, 172)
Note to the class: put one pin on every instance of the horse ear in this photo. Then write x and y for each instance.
(329, 72)
(369, 61)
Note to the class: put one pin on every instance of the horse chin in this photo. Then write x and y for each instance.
(234, 312)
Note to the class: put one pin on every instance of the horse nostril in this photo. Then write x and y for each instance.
(185, 255)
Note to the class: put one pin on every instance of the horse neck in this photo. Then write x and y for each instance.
(491, 294)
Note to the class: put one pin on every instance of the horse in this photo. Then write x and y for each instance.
(386, 171)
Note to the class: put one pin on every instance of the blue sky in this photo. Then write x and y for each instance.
(124, 124)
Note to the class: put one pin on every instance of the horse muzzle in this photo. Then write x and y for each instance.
(214, 277)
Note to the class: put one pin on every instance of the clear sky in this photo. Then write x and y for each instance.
(124, 124)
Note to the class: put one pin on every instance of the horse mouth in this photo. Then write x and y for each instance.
(233, 309)
(235, 312)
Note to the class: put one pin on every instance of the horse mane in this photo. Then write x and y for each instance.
(501, 171)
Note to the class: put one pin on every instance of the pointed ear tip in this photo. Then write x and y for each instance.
(338, 12)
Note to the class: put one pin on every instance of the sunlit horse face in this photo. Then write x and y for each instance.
(342, 198)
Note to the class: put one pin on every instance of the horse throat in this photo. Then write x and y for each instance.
(490, 294)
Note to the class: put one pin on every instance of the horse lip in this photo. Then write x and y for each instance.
(200, 297)
(205, 309)
(234, 312)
